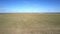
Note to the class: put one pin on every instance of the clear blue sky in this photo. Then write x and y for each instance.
(29, 6)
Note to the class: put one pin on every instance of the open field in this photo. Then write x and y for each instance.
(29, 23)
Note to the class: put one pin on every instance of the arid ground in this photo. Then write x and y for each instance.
(29, 23)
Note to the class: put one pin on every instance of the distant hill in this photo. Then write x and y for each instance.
(34, 13)
(53, 13)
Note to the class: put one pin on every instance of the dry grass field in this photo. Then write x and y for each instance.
(29, 23)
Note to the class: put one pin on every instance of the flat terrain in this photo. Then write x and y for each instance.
(29, 23)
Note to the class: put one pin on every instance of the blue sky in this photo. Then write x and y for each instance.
(27, 6)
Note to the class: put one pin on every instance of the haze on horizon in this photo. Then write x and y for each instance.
(28, 6)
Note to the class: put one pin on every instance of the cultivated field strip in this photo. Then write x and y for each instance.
(29, 24)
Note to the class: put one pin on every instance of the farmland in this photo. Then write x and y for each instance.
(29, 23)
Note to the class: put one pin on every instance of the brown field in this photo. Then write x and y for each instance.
(29, 23)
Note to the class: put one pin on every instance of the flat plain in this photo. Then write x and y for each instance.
(29, 23)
